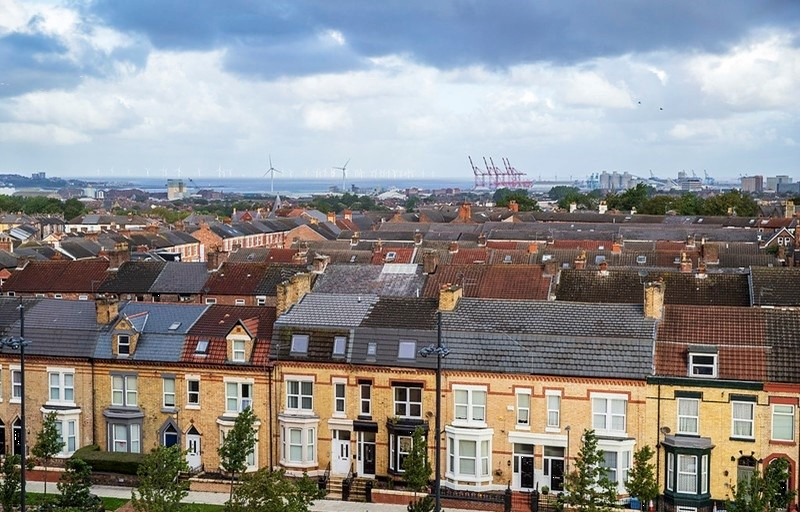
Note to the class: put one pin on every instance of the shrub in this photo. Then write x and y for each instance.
(112, 462)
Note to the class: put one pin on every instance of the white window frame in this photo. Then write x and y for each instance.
(468, 411)
(128, 390)
(252, 457)
(364, 403)
(404, 405)
(688, 418)
(742, 421)
(623, 458)
(238, 350)
(339, 346)
(210, 301)
(239, 302)
(553, 404)
(523, 419)
(193, 397)
(458, 461)
(704, 474)
(703, 370)
(62, 391)
(299, 394)
(169, 392)
(603, 418)
(16, 384)
(300, 343)
(261, 300)
(306, 445)
(339, 397)
(786, 412)
(68, 427)
(407, 350)
(670, 471)
(687, 473)
(132, 441)
(235, 399)
(127, 345)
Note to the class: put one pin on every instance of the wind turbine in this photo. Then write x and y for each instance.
(271, 171)
(344, 174)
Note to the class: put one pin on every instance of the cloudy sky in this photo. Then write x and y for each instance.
(409, 88)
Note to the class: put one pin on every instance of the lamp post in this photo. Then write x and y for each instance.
(440, 352)
(19, 343)
(566, 463)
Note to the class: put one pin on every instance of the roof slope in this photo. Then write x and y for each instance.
(380, 280)
(503, 281)
(82, 276)
(133, 277)
(179, 277)
(329, 310)
(775, 286)
(215, 324)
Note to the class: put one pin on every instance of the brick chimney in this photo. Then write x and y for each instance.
(790, 210)
(580, 261)
(513, 206)
(348, 214)
(465, 212)
(107, 310)
(654, 299)
(320, 263)
(215, 259)
(533, 248)
(686, 263)
(289, 292)
(701, 270)
(603, 268)
(152, 228)
(430, 260)
(449, 296)
(616, 248)
(482, 240)
(355, 239)
(550, 268)
(377, 247)
(332, 217)
(452, 248)
(710, 253)
(119, 255)
(417, 238)
(690, 242)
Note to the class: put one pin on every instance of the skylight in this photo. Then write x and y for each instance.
(202, 347)
(174, 326)
(407, 349)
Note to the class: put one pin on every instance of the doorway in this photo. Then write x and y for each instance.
(554, 467)
(366, 453)
(340, 459)
(523, 474)
(193, 458)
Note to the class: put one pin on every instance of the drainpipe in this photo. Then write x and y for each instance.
(94, 404)
(270, 368)
(658, 446)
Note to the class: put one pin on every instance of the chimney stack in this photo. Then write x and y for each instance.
(465, 212)
(701, 270)
(449, 296)
(320, 263)
(686, 263)
(452, 248)
(417, 238)
(430, 260)
(348, 214)
(580, 261)
(354, 239)
(289, 292)
(482, 240)
(790, 210)
(513, 206)
(533, 248)
(107, 310)
(603, 268)
(332, 217)
(654, 299)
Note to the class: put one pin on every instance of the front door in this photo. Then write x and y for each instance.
(366, 453)
(17, 434)
(340, 459)
(557, 474)
(526, 472)
(193, 449)
(523, 472)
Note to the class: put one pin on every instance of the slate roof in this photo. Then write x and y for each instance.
(63, 328)
(7, 260)
(369, 279)
(133, 277)
(157, 342)
(178, 277)
(249, 278)
(503, 281)
(783, 360)
(329, 310)
(403, 313)
(81, 276)
(626, 286)
(215, 324)
(775, 286)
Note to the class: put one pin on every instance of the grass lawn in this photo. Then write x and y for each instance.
(33, 498)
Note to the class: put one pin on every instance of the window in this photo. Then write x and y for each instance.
(470, 404)
(608, 413)
(372, 349)
(125, 437)
(201, 348)
(238, 396)
(553, 409)
(238, 351)
(407, 349)
(365, 398)
(58, 296)
(62, 386)
(168, 385)
(192, 392)
(408, 402)
(742, 418)
(688, 415)
(16, 384)
(300, 343)
(170, 436)
(339, 397)
(704, 474)
(687, 474)
(210, 301)
(298, 445)
(783, 422)
(261, 300)
(399, 448)
(239, 302)
(524, 408)
(468, 459)
(670, 471)
(251, 459)
(702, 365)
(68, 432)
(617, 465)
(123, 344)
(124, 390)
(299, 395)
(339, 345)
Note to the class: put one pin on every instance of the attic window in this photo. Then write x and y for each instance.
(641, 260)
(601, 247)
(703, 362)
(407, 349)
(599, 259)
(123, 345)
(339, 344)
(353, 258)
(372, 349)
(174, 326)
(390, 256)
(507, 258)
(547, 257)
(299, 343)
(202, 347)
(700, 220)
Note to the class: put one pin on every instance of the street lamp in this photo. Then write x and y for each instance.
(440, 352)
(567, 428)
(19, 343)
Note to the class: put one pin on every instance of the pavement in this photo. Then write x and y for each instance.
(219, 498)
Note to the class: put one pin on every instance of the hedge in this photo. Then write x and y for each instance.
(112, 462)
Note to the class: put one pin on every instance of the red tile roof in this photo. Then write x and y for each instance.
(281, 256)
(237, 278)
(402, 255)
(81, 276)
(491, 281)
(594, 245)
(468, 256)
(217, 322)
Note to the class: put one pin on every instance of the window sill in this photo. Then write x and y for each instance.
(194, 407)
(782, 442)
(526, 428)
(169, 410)
(469, 423)
(743, 439)
(553, 430)
(290, 464)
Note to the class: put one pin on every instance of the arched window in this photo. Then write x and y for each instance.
(170, 435)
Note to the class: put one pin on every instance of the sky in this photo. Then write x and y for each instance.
(399, 89)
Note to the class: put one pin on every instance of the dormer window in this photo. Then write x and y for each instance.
(299, 343)
(407, 349)
(339, 345)
(123, 345)
(201, 348)
(390, 256)
(238, 351)
(703, 362)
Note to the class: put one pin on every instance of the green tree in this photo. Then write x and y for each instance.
(588, 487)
(48, 443)
(417, 467)
(272, 491)
(424, 504)
(732, 202)
(503, 196)
(237, 445)
(160, 487)
(73, 208)
(634, 197)
(411, 203)
(11, 484)
(562, 191)
(642, 476)
(75, 486)
(764, 493)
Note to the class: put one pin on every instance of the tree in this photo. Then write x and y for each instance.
(561, 191)
(417, 467)
(764, 493)
(588, 486)
(503, 196)
(75, 486)
(642, 476)
(11, 484)
(160, 487)
(238, 444)
(48, 443)
(272, 491)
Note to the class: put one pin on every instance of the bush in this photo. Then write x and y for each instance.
(112, 462)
